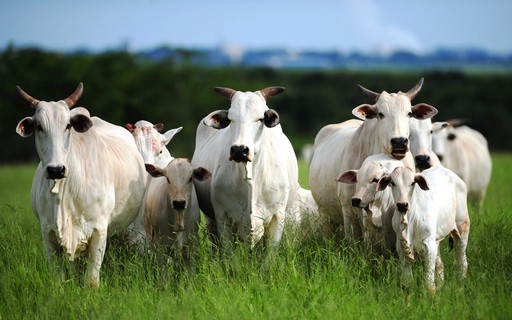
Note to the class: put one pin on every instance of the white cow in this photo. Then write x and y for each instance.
(151, 143)
(465, 152)
(421, 143)
(429, 207)
(89, 183)
(378, 207)
(152, 146)
(253, 165)
(344, 146)
(171, 210)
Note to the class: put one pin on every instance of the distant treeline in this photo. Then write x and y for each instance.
(121, 87)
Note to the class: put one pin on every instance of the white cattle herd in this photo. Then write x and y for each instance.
(392, 179)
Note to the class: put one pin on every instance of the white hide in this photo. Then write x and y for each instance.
(420, 139)
(249, 198)
(378, 206)
(344, 146)
(152, 146)
(464, 151)
(429, 207)
(89, 183)
(171, 211)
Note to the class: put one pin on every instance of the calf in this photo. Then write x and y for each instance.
(429, 207)
(378, 206)
(171, 211)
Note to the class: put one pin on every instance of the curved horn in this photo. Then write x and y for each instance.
(73, 98)
(226, 92)
(369, 93)
(414, 91)
(271, 91)
(32, 101)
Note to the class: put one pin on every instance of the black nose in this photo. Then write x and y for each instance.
(402, 206)
(179, 204)
(55, 172)
(356, 202)
(422, 162)
(399, 143)
(239, 153)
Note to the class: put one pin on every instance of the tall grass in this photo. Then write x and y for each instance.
(309, 277)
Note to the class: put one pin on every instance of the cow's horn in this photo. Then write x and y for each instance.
(414, 91)
(32, 101)
(271, 91)
(369, 93)
(226, 92)
(73, 98)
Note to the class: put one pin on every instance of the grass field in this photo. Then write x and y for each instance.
(309, 278)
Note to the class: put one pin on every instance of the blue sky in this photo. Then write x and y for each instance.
(344, 25)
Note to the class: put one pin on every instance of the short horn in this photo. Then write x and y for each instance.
(414, 91)
(458, 122)
(31, 100)
(368, 92)
(226, 92)
(73, 98)
(271, 91)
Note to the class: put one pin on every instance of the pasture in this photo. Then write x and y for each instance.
(309, 278)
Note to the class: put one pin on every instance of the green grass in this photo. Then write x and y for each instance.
(309, 278)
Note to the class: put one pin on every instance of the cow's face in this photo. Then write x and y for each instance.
(443, 134)
(402, 182)
(150, 142)
(179, 174)
(53, 125)
(246, 120)
(393, 112)
(366, 179)
(421, 142)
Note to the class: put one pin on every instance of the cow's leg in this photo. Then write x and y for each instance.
(351, 223)
(54, 252)
(439, 268)
(461, 242)
(430, 253)
(97, 245)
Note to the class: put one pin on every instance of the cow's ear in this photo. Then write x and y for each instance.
(422, 183)
(349, 177)
(170, 134)
(383, 182)
(153, 171)
(438, 126)
(81, 123)
(365, 111)
(201, 174)
(423, 111)
(26, 127)
(159, 127)
(271, 118)
(217, 119)
(130, 127)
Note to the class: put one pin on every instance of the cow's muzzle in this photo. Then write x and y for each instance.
(422, 162)
(399, 147)
(55, 172)
(402, 207)
(239, 153)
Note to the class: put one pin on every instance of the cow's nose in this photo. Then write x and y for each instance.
(179, 204)
(402, 206)
(56, 172)
(399, 142)
(356, 202)
(239, 153)
(422, 162)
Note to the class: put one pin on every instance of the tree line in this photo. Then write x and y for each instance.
(122, 87)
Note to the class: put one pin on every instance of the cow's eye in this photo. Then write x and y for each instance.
(381, 115)
(190, 180)
(375, 180)
(409, 114)
(431, 131)
(392, 183)
(39, 128)
(68, 126)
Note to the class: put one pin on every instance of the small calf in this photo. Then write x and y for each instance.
(171, 210)
(378, 207)
(429, 207)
